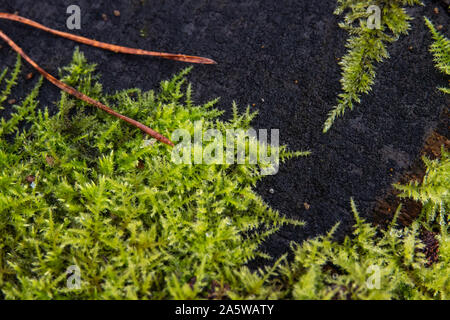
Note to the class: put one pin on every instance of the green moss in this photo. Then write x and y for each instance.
(433, 191)
(440, 48)
(370, 264)
(83, 188)
(366, 47)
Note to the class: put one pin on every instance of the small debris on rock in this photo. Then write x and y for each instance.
(143, 33)
(104, 17)
(29, 76)
(436, 10)
(12, 101)
(307, 205)
(431, 249)
(50, 160)
(440, 27)
(117, 13)
(141, 165)
(271, 191)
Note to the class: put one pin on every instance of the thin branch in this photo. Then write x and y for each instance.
(82, 96)
(106, 46)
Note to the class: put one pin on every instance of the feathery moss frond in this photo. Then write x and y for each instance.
(11, 82)
(366, 46)
(434, 190)
(440, 48)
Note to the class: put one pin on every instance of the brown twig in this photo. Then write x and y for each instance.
(106, 46)
(82, 96)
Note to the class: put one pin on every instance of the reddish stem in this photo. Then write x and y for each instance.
(102, 45)
(107, 46)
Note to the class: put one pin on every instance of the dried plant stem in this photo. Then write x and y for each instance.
(82, 96)
(106, 46)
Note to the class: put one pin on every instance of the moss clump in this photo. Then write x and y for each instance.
(80, 188)
(370, 264)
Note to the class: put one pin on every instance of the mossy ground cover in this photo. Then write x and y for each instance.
(80, 188)
(90, 208)
(284, 52)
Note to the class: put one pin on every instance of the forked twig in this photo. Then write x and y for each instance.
(106, 46)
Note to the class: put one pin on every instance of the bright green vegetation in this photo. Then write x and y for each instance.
(83, 188)
(440, 48)
(371, 263)
(434, 191)
(324, 269)
(366, 47)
